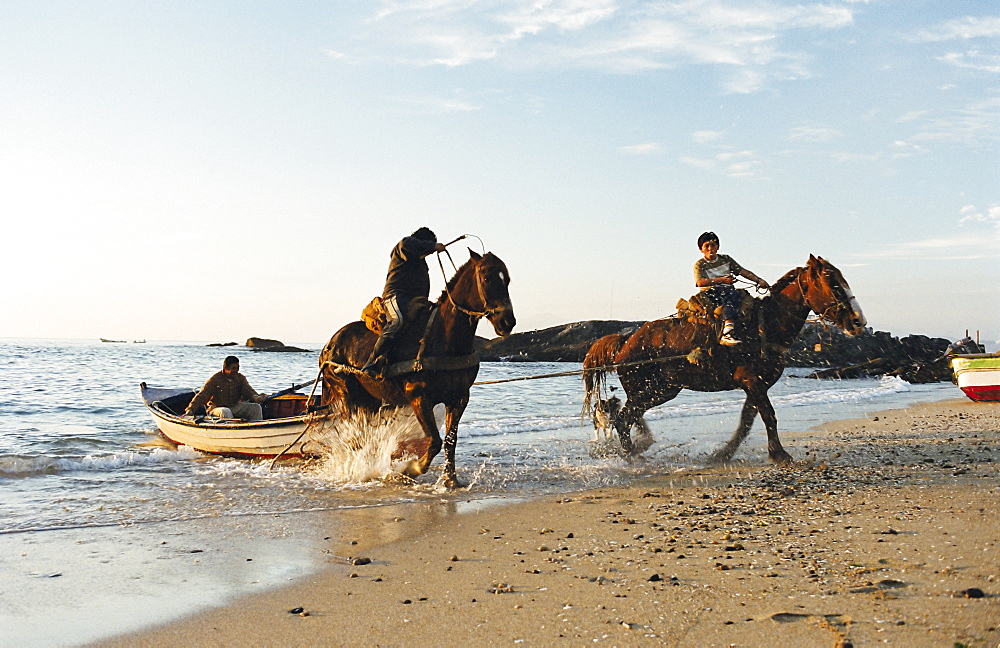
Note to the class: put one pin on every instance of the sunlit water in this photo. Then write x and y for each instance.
(107, 528)
(78, 448)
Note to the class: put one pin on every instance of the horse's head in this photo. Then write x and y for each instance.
(493, 279)
(479, 289)
(828, 295)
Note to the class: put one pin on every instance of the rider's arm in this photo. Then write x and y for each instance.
(414, 248)
(754, 278)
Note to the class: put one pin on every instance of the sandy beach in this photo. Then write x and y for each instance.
(885, 531)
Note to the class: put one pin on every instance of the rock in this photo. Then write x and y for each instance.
(263, 343)
(274, 346)
(283, 349)
(565, 343)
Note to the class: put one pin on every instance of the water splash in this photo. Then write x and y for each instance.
(365, 448)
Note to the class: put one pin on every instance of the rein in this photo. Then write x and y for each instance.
(479, 285)
(824, 315)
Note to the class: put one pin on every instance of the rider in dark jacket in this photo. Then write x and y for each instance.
(407, 278)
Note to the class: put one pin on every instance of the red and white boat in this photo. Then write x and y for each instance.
(978, 375)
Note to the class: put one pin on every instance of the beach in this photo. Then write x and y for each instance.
(884, 532)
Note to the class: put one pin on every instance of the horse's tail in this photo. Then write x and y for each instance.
(598, 362)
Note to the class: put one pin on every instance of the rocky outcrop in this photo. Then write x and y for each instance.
(263, 343)
(273, 346)
(566, 343)
(915, 358)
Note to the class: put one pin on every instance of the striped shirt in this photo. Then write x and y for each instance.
(722, 266)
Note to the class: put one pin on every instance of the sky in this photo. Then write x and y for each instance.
(212, 171)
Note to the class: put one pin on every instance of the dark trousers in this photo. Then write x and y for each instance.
(727, 297)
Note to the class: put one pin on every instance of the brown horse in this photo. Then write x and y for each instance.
(438, 365)
(665, 356)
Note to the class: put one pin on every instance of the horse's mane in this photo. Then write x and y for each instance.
(786, 279)
(453, 281)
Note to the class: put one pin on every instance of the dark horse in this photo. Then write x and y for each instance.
(665, 356)
(438, 349)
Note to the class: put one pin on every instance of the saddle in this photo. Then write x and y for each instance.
(407, 354)
(699, 310)
(374, 317)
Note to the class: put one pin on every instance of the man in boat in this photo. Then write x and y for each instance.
(714, 275)
(408, 277)
(228, 394)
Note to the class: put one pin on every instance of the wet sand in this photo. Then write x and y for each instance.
(886, 532)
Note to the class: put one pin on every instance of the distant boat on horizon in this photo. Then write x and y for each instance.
(114, 341)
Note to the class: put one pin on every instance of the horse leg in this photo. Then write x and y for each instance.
(726, 452)
(623, 424)
(634, 413)
(775, 453)
(424, 410)
(452, 417)
(629, 417)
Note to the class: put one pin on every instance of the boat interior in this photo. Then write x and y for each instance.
(286, 406)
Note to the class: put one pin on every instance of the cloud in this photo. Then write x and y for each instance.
(973, 60)
(976, 125)
(703, 137)
(439, 105)
(814, 133)
(965, 28)
(913, 115)
(951, 248)
(749, 43)
(734, 164)
(971, 215)
(958, 246)
(648, 148)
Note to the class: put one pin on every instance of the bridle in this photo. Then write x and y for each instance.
(489, 312)
(838, 306)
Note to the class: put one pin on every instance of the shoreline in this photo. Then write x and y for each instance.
(888, 532)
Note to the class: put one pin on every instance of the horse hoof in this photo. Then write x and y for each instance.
(719, 458)
(450, 482)
(402, 479)
(634, 457)
(780, 458)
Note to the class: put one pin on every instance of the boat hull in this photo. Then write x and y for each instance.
(269, 438)
(978, 377)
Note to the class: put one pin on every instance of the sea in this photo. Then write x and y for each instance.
(86, 479)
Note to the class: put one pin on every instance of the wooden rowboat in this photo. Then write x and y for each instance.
(978, 375)
(280, 433)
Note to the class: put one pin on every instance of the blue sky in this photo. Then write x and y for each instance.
(219, 170)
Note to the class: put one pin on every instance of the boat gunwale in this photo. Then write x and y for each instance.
(269, 430)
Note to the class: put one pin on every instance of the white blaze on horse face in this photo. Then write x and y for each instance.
(855, 307)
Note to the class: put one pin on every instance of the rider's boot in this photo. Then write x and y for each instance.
(728, 338)
(379, 358)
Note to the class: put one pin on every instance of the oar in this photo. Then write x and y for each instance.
(290, 389)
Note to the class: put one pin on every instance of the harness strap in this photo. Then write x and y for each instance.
(427, 330)
(441, 363)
